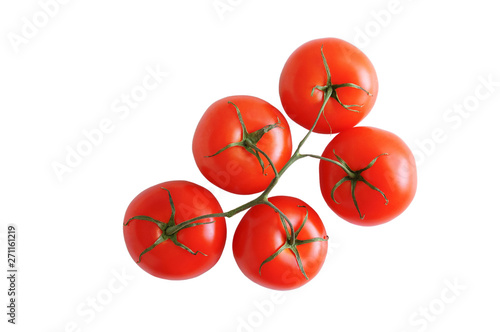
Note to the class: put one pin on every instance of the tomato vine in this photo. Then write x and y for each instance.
(252, 134)
(249, 142)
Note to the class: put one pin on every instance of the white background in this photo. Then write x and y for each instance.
(435, 268)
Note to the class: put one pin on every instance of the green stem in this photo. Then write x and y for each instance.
(292, 231)
(227, 214)
(262, 198)
(296, 155)
(276, 173)
(326, 98)
(349, 172)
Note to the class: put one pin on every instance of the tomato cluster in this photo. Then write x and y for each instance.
(243, 144)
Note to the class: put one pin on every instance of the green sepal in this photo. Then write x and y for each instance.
(169, 230)
(330, 90)
(291, 242)
(249, 140)
(354, 177)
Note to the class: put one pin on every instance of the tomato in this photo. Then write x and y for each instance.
(228, 149)
(198, 248)
(260, 234)
(304, 70)
(383, 180)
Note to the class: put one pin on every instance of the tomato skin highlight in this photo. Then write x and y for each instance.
(304, 70)
(260, 233)
(236, 170)
(167, 260)
(394, 174)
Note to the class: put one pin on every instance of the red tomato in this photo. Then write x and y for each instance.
(241, 169)
(383, 190)
(151, 211)
(261, 233)
(305, 70)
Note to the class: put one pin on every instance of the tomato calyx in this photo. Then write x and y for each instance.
(291, 241)
(249, 140)
(330, 90)
(354, 177)
(169, 230)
